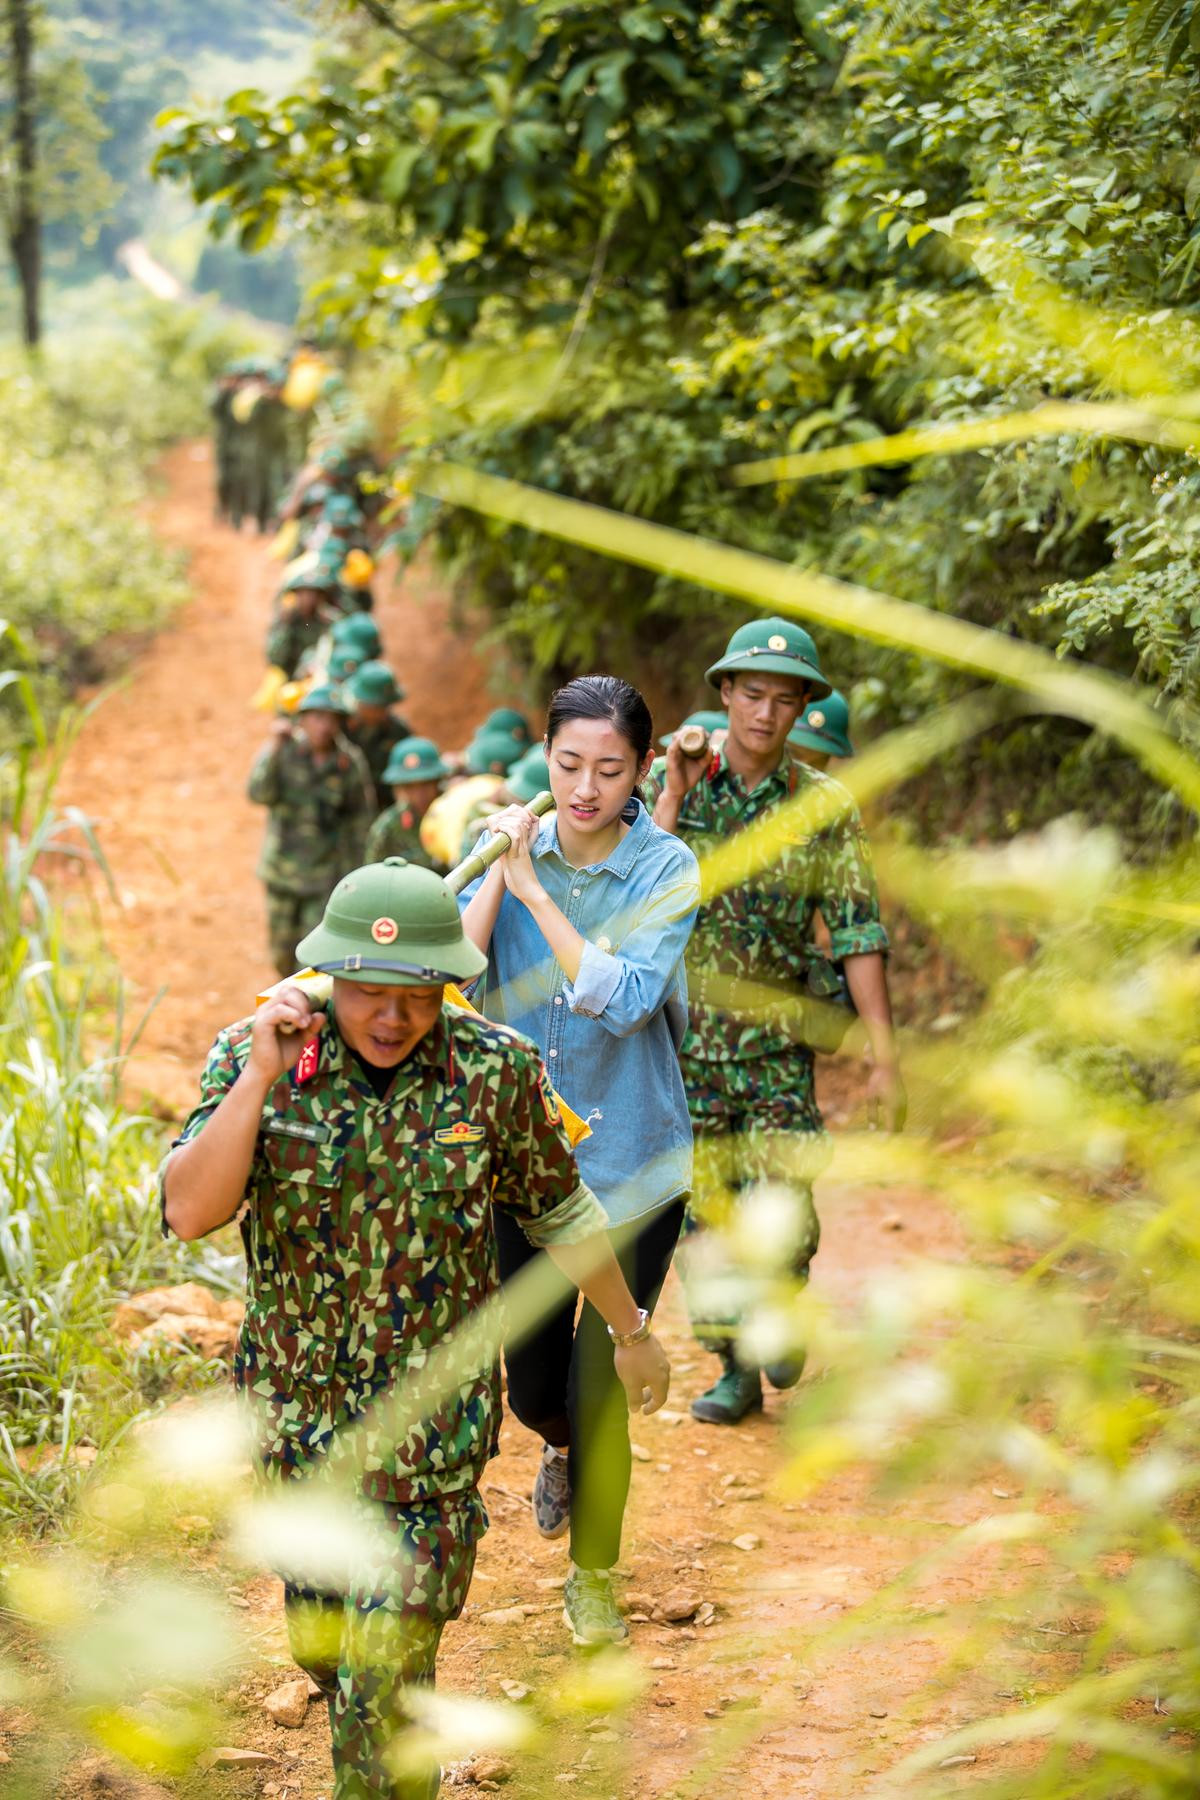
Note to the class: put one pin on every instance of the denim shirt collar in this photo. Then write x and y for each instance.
(622, 858)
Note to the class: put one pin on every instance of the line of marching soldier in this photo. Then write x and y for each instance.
(343, 778)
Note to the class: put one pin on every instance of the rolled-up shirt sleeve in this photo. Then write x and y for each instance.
(623, 988)
(226, 1060)
(848, 897)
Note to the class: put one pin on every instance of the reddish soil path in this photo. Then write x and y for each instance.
(824, 1712)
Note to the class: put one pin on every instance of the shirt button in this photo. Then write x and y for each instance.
(558, 999)
(554, 1053)
(576, 892)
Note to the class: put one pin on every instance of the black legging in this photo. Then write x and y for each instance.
(562, 1383)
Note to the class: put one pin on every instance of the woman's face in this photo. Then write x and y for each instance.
(593, 771)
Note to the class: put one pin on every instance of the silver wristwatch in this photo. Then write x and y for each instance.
(639, 1334)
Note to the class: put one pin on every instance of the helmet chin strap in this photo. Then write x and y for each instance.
(376, 965)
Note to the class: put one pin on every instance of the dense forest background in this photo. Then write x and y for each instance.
(618, 251)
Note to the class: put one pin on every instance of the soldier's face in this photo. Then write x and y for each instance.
(384, 1024)
(762, 710)
(320, 728)
(417, 797)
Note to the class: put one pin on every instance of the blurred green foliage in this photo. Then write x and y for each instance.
(614, 251)
(82, 573)
(77, 1224)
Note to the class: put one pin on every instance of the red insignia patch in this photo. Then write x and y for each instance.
(385, 931)
(310, 1061)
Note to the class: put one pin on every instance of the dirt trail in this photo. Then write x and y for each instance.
(162, 765)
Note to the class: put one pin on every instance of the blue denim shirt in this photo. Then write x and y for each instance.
(609, 1038)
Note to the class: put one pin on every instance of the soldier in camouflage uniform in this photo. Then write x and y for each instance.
(751, 967)
(304, 612)
(318, 791)
(363, 1151)
(223, 432)
(415, 773)
(374, 727)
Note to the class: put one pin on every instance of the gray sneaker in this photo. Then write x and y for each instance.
(552, 1494)
(589, 1610)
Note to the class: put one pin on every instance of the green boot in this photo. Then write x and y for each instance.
(736, 1392)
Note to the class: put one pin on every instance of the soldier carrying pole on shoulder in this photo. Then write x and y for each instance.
(746, 1065)
(363, 1150)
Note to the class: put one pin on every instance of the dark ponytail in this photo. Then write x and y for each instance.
(603, 697)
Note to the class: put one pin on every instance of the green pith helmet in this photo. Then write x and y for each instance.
(771, 647)
(333, 460)
(824, 725)
(492, 753)
(342, 509)
(415, 759)
(709, 721)
(325, 696)
(392, 924)
(530, 776)
(506, 719)
(357, 631)
(314, 577)
(374, 684)
(342, 663)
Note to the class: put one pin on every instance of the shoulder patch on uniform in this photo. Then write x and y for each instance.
(462, 1133)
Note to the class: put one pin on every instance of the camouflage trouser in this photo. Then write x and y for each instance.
(290, 917)
(753, 1122)
(366, 1646)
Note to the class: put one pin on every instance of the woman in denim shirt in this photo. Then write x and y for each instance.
(584, 922)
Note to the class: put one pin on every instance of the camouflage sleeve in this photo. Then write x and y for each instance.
(848, 898)
(539, 1179)
(278, 643)
(360, 795)
(375, 848)
(263, 785)
(226, 1060)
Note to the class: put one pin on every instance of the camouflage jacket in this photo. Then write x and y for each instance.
(290, 635)
(397, 832)
(368, 1238)
(752, 951)
(319, 812)
(376, 742)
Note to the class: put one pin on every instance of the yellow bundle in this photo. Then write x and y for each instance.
(244, 402)
(357, 569)
(443, 825)
(319, 988)
(277, 694)
(283, 544)
(305, 379)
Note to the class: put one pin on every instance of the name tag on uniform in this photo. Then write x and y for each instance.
(297, 1128)
(462, 1133)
